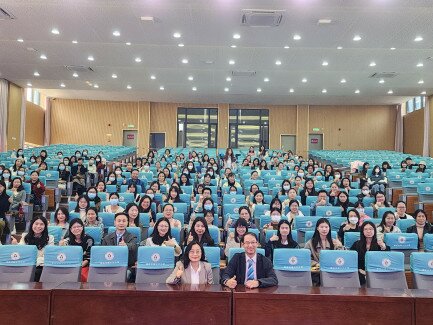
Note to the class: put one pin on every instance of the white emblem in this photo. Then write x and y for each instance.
(109, 256)
(155, 257)
(339, 261)
(293, 260)
(233, 200)
(430, 264)
(61, 257)
(428, 188)
(329, 213)
(15, 256)
(401, 239)
(386, 262)
(309, 223)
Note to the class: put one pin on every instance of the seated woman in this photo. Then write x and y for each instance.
(275, 219)
(258, 199)
(294, 211)
(275, 203)
(114, 206)
(387, 225)
(173, 195)
(193, 269)
(351, 225)
(168, 213)
(145, 206)
(4, 208)
(379, 202)
(200, 233)
(38, 190)
(365, 192)
(421, 227)
(38, 236)
(244, 213)
(345, 184)
(377, 181)
(61, 217)
(283, 239)
(241, 227)
(400, 212)
(161, 236)
(16, 201)
(334, 192)
(359, 206)
(92, 194)
(83, 203)
(77, 237)
(368, 242)
(92, 219)
(343, 203)
(308, 190)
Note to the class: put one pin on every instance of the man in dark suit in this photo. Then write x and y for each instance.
(249, 268)
(121, 237)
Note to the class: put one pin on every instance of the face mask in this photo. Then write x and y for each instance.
(91, 195)
(151, 196)
(210, 173)
(186, 172)
(208, 207)
(32, 160)
(215, 168)
(336, 175)
(319, 177)
(174, 168)
(365, 192)
(286, 187)
(78, 155)
(301, 174)
(85, 154)
(146, 167)
(118, 172)
(114, 201)
(353, 220)
(98, 160)
(112, 179)
(233, 192)
(20, 153)
(20, 173)
(195, 159)
(6, 176)
(275, 218)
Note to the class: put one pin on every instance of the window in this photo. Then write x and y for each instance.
(249, 127)
(197, 127)
(34, 96)
(415, 103)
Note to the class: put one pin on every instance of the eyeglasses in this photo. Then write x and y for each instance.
(77, 227)
(248, 243)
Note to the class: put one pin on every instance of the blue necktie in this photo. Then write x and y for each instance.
(250, 271)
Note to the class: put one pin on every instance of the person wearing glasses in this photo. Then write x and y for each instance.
(249, 268)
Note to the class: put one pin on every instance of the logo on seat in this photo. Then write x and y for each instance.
(339, 261)
(397, 176)
(430, 264)
(309, 223)
(175, 209)
(293, 260)
(236, 210)
(233, 200)
(329, 213)
(411, 182)
(61, 257)
(428, 188)
(15, 256)
(109, 256)
(155, 257)
(121, 199)
(401, 239)
(386, 262)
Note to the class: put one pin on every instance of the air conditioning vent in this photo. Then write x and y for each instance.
(261, 18)
(79, 68)
(246, 73)
(383, 75)
(4, 15)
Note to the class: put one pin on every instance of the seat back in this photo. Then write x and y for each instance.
(62, 264)
(56, 232)
(213, 257)
(292, 267)
(336, 222)
(108, 264)
(339, 268)
(17, 263)
(95, 233)
(385, 270)
(428, 242)
(154, 264)
(328, 212)
(402, 242)
(421, 265)
(107, 219)
(381, 211)
(233, 199)
(403, 224)
(350, 237)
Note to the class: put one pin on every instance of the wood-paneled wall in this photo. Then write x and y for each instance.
(14, 117)
(35, 124)
(413, 126)
(431, 125)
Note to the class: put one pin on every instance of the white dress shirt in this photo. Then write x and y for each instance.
(195, 275)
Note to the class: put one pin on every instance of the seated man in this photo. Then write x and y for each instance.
(322, 201)
(249, 268)
(135, 180)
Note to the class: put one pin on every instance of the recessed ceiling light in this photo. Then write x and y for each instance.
(418, 39)
(324, 91)
(266, 80)
(29, 84)
(343, 81)
(226, 89)
(236, 36)
(184, 61)
(381, 81)
(194, 88)
(181, 45)
(421, 82)
(161, 88)
(291, 90)
(357, 91)
(420, 64)
(390, 92)
(75, 75)
(392, 48)
(148, 18)
(325, 63)
(259, 90)
(152, 77)
(190, 78)
(231, 62)
(116, 33)
(177, 35)
(55, 31)
(423, 93)
(304, 80)
(90, 58)
(20, 40)
(74, 42)
(36, 74)
(233, 46)
(138, 60)
(114, 76)
(128, 87)
(95, 86)
(62, 85)
(372, 64)
(339, 47)
(278, 62)
(128, 43)
(43, 57)
(324, 21)
(286, 46)
(357, 38)
(297, 37)
(228, 79)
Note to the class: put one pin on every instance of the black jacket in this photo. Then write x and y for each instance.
(4, 205)
(428, 229)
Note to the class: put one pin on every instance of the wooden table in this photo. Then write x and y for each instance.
(423, 306)
(25, 303)
(121, 303)
(301, 305)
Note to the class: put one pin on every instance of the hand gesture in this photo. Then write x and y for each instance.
(273, 238)
(10, 200)
(39, 185)
(232, 283)
(190, 238)
(14, 241)
(346, 227)
(232, 235)
(179, 272)
(251, 284)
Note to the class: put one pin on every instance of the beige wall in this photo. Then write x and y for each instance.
(431, 126)
(14, 117)
(35, 121)
(413, 125)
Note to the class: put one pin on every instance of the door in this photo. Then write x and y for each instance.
(315, 141)
(157, 140)
(130, 138)
(288, 142)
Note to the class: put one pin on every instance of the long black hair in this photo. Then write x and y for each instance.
(136, 220)
(206, 237)
(70, 235)
(65, 212)
(316, 236)
(383, 222)
(77, 207)
(188, 248)
(156, 238)
(243, 223)
(290, 241)
(363, 239)
(39, 242)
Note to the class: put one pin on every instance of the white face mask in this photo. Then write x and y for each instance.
(275, 218)
(365, 192)
(286, 187)
(118, 172)
(353, 220)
